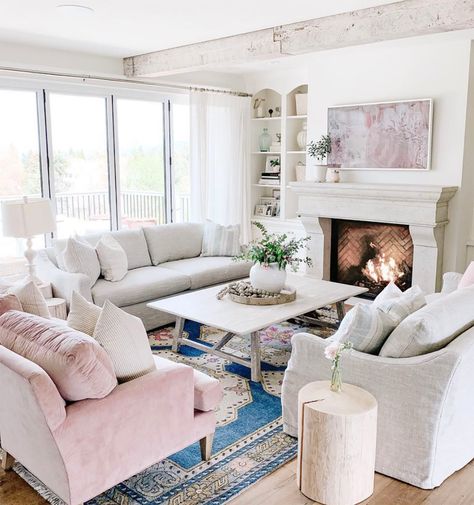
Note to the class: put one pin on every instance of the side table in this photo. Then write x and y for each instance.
(57, 307)
(336, 443)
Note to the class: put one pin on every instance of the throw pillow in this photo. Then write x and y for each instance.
(220, 240)
(433, 326)
(367, 326)
(9, 302)
(31, 298)
(112, 258)
(468, 277)
(125, 340)
(77, 365)
(81, 257)
(83, 315)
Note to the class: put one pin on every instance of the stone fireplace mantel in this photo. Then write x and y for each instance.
(423, 208)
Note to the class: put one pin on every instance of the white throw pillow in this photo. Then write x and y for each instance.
(220, 240)
(31, 298)
(432, 327)
(124, 338)
(83, 315)
(81, 257)
(367, 326)
(112, 258)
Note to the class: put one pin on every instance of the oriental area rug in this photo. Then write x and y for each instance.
(249, 442)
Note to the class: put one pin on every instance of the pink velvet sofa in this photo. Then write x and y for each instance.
(80, 449)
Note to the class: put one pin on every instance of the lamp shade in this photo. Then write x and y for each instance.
(28, 217)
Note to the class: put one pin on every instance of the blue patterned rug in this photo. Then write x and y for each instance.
(249, 442)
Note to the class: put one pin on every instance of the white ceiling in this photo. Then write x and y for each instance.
(121, 28)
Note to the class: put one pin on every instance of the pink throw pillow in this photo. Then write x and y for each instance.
(76, 363)
(9, 302)
(468, 278)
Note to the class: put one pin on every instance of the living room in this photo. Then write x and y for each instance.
(236, 252)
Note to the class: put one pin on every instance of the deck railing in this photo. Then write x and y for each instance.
(135, 206)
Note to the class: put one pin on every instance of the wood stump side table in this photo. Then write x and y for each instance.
(57, 307)
(336, 443)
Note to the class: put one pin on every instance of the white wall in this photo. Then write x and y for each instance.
(430, 67)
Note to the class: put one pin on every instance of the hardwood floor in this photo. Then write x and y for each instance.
(279, 488)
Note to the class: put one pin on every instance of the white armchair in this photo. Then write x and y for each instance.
(426, 412)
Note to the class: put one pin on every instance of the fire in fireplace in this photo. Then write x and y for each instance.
(371, 255)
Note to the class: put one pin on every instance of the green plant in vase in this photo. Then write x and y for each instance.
(319, 150)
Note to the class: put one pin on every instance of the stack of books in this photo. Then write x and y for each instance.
(270, 178)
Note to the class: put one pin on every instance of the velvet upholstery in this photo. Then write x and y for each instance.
(9, 302)
(76, 363)
(86, 447)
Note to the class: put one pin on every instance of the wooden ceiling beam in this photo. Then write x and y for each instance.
(407, 18)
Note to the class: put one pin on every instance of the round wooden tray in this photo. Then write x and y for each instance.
(288, 294)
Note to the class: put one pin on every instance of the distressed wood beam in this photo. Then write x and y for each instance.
(408, 18)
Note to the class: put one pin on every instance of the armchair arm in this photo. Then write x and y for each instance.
(63, 283)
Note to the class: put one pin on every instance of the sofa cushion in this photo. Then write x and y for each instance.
(205, 271)
(207, 390)
(83, 315)
(169, 242)
(112, 258)
(219, 240)
(140, 285)
(31, 298)
(432, 327)
(125, 340)
(76, 363)
(9, 301)
(134, 244)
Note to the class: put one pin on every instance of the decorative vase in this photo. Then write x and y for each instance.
(320, 173)
(302, 137)
(336, 377)
(300, 171)
(265, 141)
(268, 277)
(333, 175)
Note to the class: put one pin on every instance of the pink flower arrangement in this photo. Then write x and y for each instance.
(333, 352)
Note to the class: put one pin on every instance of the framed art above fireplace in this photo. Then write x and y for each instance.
(381, 136)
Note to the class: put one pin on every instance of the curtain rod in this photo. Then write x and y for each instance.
(84, 77)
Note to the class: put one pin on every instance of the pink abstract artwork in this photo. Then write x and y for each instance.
(391, 135)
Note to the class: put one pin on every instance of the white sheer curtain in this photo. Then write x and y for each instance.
(220, 178)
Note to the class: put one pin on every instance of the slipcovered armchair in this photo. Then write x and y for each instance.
(81, 449)
(425, 407)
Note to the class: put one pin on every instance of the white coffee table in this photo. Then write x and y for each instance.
(234, 318)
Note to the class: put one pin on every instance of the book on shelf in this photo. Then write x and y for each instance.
(273, 182)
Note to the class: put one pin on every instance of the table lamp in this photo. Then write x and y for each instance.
(27, 218)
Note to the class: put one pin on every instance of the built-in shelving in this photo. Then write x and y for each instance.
(288, 125)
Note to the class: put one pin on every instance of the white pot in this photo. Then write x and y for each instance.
(320, 173)
(300, 171)
(301, 138)
(267, 277)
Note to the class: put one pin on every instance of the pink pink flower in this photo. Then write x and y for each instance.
(331, 350)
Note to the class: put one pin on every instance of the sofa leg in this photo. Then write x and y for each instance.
(206, 447)
(7, 460)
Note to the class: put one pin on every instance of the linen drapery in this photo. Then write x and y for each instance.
(220, 178)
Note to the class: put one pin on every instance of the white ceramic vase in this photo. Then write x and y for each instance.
(320, 173)
(267, 277)
(301, 138)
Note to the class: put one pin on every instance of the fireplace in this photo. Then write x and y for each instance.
(371, 254)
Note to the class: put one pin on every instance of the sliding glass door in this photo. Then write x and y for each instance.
(141, 162)
(80, 166)
(20, 173)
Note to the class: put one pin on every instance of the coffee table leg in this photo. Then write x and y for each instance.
(340, 311)
(255, 358)
(178, 332)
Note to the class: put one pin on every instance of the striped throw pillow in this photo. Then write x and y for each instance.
(219, 240)
(81, 257)
(83, 315)
(31, 298)
(125, 340)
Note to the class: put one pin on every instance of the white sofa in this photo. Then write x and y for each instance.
(426, 411)
(163, 260)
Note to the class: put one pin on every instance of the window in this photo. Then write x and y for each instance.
(106, 161)
(20, 173)
(80, 164)
(180, 156)
(140, 129)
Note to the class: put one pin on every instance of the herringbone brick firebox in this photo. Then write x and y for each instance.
(371, 254)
